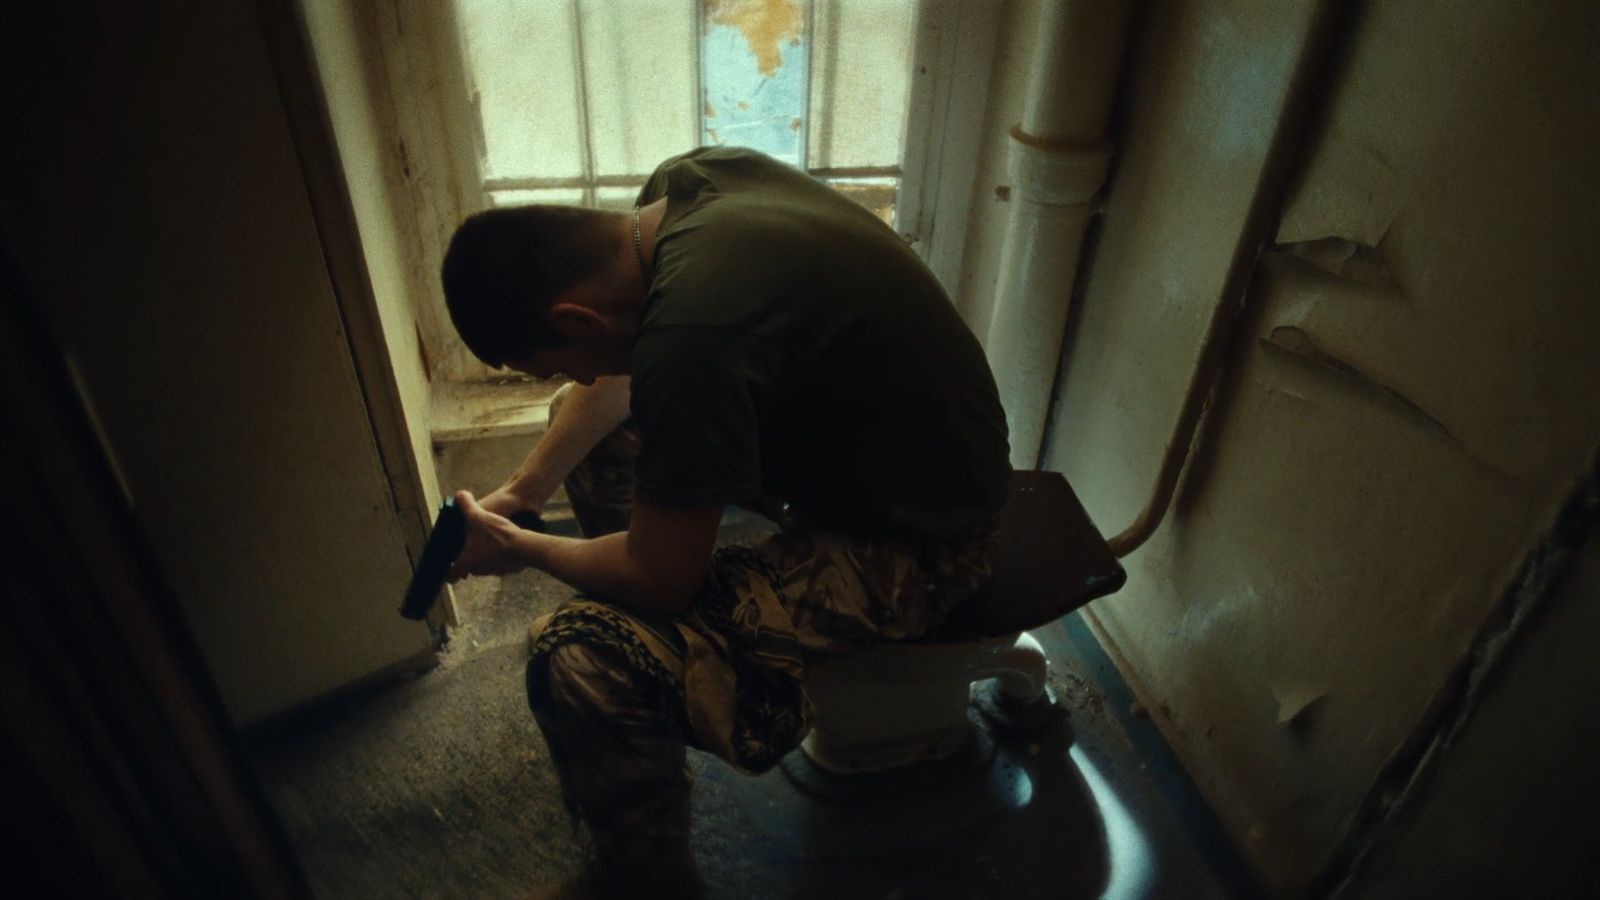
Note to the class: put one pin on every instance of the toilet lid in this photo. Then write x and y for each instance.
(1052, 561)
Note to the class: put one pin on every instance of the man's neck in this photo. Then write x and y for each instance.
(622, 292)
(650, 216)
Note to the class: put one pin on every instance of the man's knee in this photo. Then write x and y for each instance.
(572, 672)
(570, 679)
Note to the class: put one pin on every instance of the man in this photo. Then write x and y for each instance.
(746, 336)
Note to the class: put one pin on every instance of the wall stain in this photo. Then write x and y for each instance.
(765, 24)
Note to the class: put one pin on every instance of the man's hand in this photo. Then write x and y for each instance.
(495, 546)
(654, 568)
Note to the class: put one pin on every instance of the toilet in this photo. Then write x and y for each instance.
(899, 704)
(902, 703)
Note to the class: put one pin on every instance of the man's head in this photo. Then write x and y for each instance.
(519, 281)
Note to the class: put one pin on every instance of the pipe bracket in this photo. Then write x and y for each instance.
(1056, 173)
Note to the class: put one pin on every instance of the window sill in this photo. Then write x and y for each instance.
(475, 410)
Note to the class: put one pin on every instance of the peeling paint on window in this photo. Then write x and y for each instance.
(767, 26)
(754, 68)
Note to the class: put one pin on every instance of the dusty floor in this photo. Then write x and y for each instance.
(439, 787)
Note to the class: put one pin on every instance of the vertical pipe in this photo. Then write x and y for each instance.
(1058, 163)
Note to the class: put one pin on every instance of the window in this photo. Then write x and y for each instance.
(576, 101)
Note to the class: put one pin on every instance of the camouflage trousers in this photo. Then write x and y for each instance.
(618, 696)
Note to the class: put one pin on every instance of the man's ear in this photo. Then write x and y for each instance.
(575, 321)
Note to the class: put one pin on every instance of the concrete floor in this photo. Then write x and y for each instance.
(440, 787)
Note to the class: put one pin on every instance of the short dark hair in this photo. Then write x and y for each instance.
(505, 266)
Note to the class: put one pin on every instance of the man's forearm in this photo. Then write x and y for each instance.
(589, 413)
(654, 568)
(603, 567)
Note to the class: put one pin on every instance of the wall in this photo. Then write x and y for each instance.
(1404, 412)
(1510, 811)
(370, 152)
(152, 193)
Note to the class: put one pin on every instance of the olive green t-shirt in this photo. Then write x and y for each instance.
(793, 347)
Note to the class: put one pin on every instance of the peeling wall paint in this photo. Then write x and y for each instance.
(1196, 627)
(1343, 258)
(1406, 411)
(1294, 340)
(754, 72)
